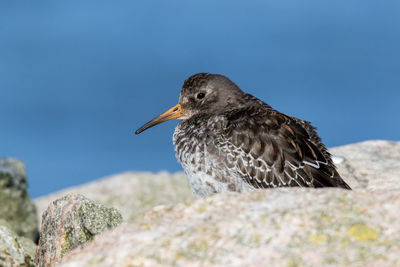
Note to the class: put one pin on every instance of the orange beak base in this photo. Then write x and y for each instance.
(172, 113)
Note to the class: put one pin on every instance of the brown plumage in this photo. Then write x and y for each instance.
(231, 141)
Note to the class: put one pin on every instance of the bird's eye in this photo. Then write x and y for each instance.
(201, 95)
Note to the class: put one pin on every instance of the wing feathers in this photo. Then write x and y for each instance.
(276, 150)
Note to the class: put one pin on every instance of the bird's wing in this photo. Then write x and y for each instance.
(270, 149)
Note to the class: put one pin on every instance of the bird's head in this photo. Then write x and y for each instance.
(202, 93)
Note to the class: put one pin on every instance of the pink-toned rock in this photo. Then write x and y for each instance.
(275, 227)
(132, 193)
(15, 250)
(69, 222)
(371, 164)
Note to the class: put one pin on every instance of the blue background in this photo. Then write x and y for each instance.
(78, 77)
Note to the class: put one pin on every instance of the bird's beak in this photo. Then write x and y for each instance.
(170, 114)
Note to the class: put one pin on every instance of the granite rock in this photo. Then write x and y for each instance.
(69, 222)
(14, 250)
(16, 207)
(132, 193)
(371, 164)
(274, 227)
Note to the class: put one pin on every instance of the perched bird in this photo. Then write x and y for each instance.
(232, 141)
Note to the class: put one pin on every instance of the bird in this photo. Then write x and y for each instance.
(231, 141)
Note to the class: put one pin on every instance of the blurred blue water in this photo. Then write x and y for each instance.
(77, 77)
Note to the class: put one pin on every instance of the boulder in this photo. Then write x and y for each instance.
(15, 250)
(69, 222)
(274, 227)
(371, 164)
(16, 207)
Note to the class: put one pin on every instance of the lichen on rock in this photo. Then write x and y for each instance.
(274, 227)
(69, 222)
(140, 192)
(16, 207)
(15, 250)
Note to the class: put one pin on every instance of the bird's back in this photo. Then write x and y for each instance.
(252, 147)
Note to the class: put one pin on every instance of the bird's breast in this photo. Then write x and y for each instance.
(191, 141)
(202, 160)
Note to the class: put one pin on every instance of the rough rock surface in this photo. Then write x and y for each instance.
(131, 193)
(371, 164)
(69, 222)
(16, 206)
(275, 227)
(15, 250)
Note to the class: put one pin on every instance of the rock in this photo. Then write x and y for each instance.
(15, 250)
(69, 222)
(131, 193)
(274, 227)
(16, 207)
(372, 164)
(29, 247)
